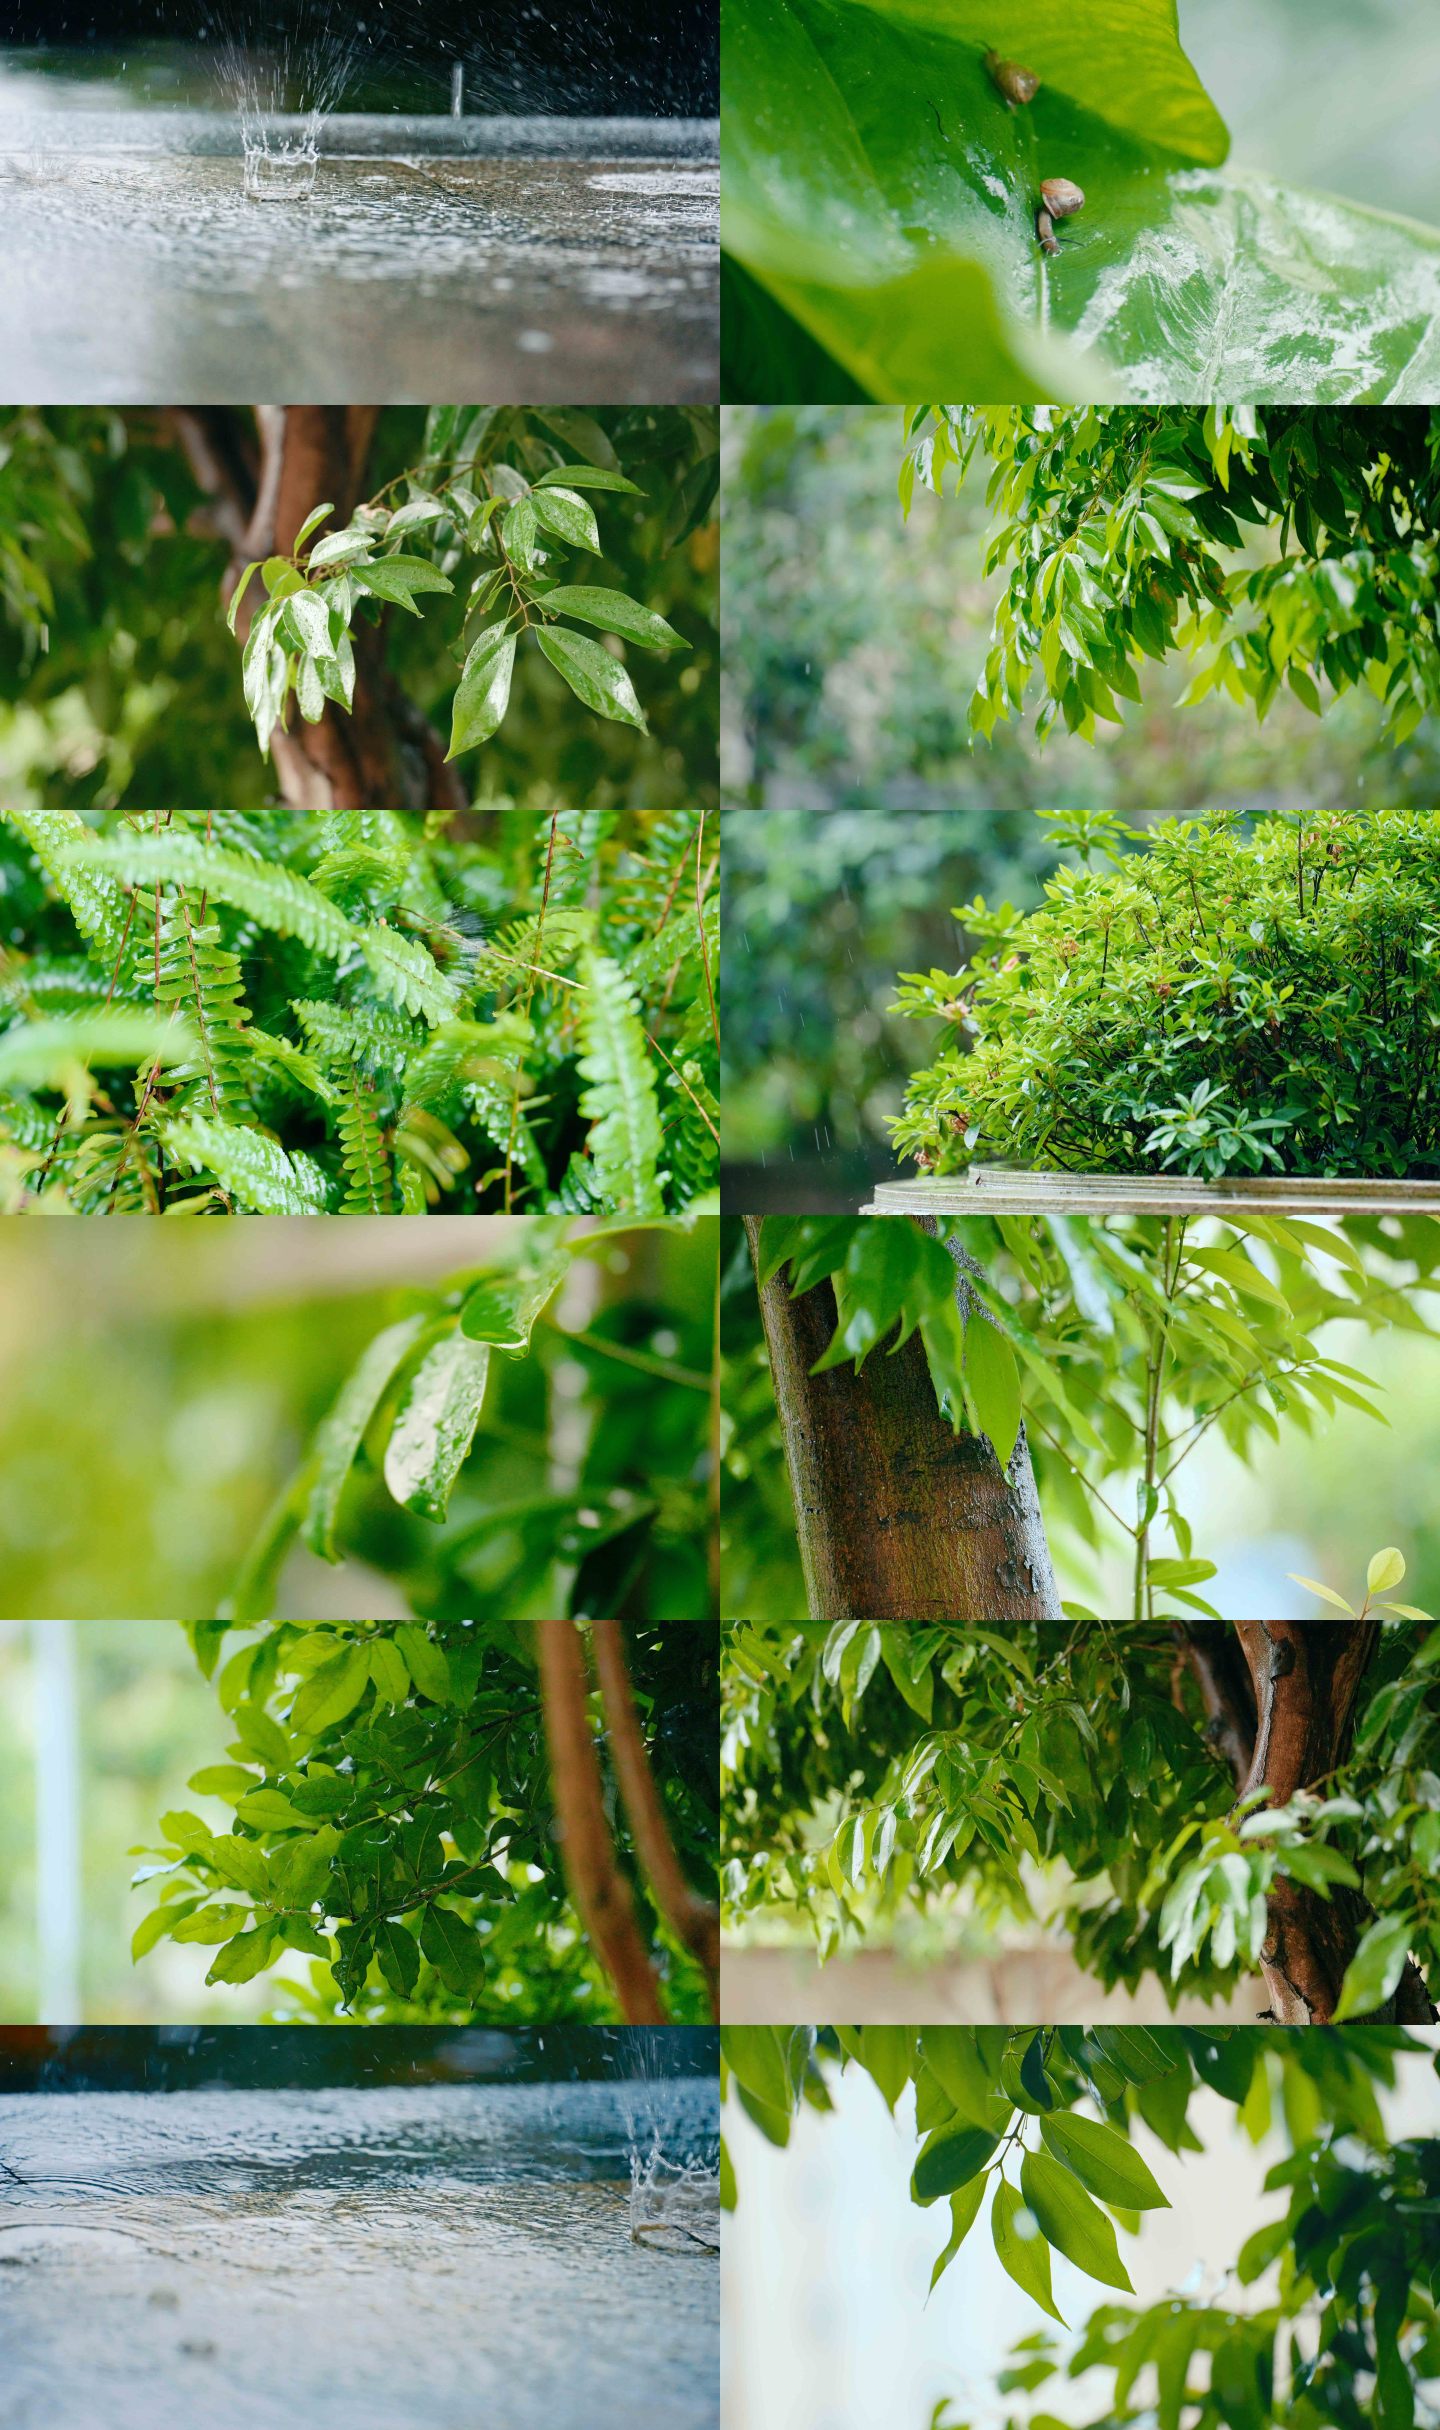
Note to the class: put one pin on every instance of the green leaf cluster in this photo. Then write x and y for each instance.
(491, 514)
(1060, 1773)
(393, 1822)
(1123, 1344)
(1215, 1001)
(1120, 530)
(357, 1012)
(1347, 2331)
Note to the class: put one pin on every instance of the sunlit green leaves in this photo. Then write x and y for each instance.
(1021, 2247)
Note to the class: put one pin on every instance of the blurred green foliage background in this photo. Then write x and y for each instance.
(1342, 95)
(852, 641)
(158, 1386)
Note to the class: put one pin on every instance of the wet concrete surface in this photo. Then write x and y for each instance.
(407, 2259)
(134, 278)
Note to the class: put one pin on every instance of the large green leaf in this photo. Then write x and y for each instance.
(1120, 58)
(882, 193)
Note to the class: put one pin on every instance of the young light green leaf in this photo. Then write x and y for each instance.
(311, 524)
(243, 1958)
(426, 1662)
(1327, 1594)
(1386, 1570)
(332, 1691)
(387, 1669)
(1374, 1972)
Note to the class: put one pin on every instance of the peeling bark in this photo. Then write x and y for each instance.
(898, 1517)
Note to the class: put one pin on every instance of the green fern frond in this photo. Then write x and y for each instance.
(620, 1100)
(99, 906)
(198, 980)
(407, 974)
(492, 1104)
(251, 1167)
(279, 898)
(374, 1037)
(461, 1052)
(368, 1186)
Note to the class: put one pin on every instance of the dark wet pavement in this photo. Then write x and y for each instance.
(135, 277)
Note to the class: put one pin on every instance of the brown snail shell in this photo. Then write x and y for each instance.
(1015, 82)
(1059, 199)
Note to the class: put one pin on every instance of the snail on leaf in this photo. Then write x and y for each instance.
(1059, 199)
(1017, 83)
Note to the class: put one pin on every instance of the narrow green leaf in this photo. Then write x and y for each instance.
(483, 693)
(1022, 2250)
(614, 613)
(341, 1433)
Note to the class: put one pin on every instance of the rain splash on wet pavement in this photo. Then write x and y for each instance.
(522, 266)
(412, 2258)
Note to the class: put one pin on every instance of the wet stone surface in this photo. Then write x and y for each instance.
(427, 2259)
(136, 278)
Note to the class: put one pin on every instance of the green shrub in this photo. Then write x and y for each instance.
(1213, 1002)
(356, 1012)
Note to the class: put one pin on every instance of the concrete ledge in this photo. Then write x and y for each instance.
(214, 134)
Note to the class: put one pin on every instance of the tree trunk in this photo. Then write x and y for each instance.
(263, 477)
(1280, 1699)
(898, 1517)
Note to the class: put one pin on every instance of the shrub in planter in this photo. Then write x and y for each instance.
(1207, 1000)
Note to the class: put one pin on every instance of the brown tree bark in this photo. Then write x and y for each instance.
(695, 1921)
(1280, 1699)
(263, 474)
(898, 1517)
(599, 1888)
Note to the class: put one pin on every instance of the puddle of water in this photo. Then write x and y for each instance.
(438, 2257)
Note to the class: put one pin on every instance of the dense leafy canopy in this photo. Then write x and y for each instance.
(356, 1012)
(393, 1822)
(1212, 1003)
(1119, 528)
(119, 682)
(1344, 2331)
(1064, 1771)
(1122, 1344)
(556, 1460)
(882, 184)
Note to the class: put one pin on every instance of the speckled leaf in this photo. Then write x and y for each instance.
(436, 1424)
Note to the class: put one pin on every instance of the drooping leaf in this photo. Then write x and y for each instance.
(436, 1424)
